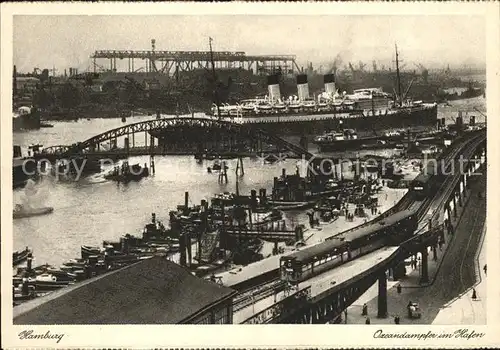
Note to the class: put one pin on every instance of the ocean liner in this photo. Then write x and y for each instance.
(364, 109)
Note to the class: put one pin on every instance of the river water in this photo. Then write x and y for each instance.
(92, 209)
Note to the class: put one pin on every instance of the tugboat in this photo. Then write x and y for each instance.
(348, 139)
(22, 212)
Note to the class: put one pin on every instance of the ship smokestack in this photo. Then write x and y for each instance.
(273, 87)
(302, 87)
(329, 80)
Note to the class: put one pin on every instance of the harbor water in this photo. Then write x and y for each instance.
(94, 209)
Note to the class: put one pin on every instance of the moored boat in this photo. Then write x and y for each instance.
(126, 173)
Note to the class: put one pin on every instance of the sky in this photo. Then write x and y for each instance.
(434, 41)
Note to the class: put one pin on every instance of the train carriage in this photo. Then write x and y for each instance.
(421, 186)
(336, 251)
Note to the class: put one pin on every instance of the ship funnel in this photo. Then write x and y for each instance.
(302, 87)
(273, 87)
(330, 89)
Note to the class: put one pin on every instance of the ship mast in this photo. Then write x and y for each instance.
(398, 77)
(214, 77)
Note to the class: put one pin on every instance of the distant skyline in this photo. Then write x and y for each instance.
(434, 41)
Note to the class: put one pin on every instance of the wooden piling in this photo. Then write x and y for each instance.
(152, 163)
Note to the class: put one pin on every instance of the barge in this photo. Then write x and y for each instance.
(348, 140)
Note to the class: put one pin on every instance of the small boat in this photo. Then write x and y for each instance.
(217, 165)
(22, 212)
(23, 291)
(19, 256)
(47, 281)
(124, 119)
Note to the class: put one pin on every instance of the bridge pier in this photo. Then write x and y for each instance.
(382, 296)
(424, 273)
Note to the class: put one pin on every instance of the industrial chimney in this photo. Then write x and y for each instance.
(329, 80)
(273, 87)
(302, 87)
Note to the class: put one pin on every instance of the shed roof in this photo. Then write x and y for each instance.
(153, 291)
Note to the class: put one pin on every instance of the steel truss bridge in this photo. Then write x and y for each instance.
(168, 62)
(201, 128)
(303, 307)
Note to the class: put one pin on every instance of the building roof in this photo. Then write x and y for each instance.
(153, 291)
